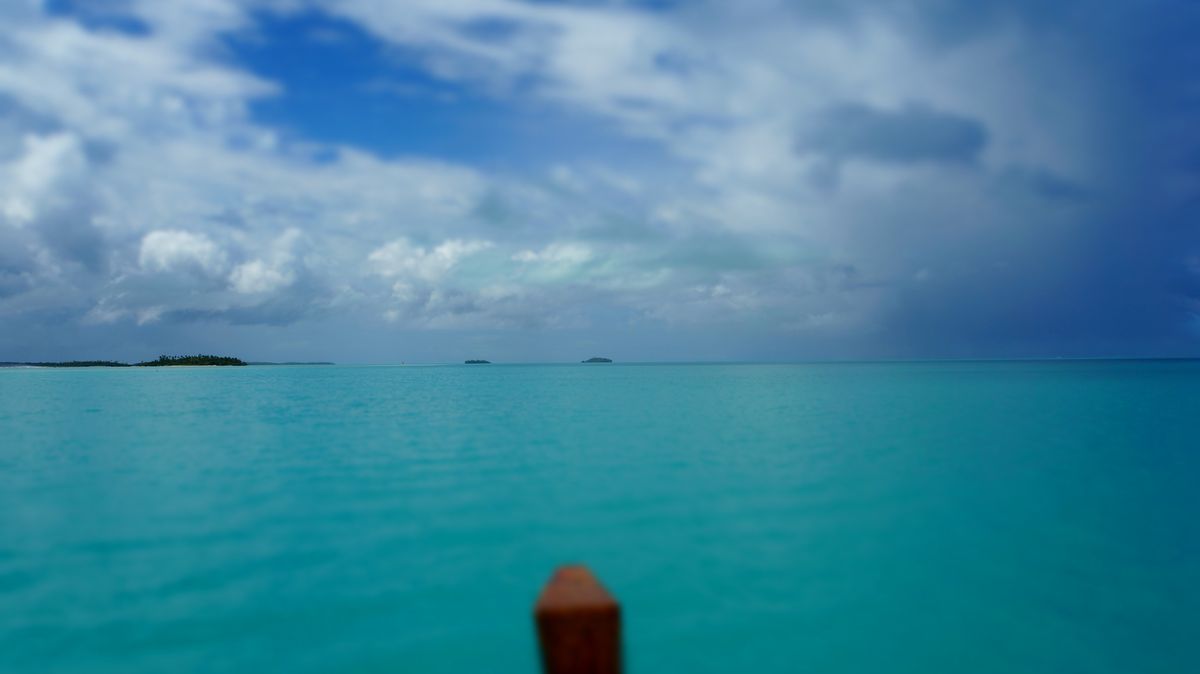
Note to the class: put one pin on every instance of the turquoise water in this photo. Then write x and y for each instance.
(924, 518)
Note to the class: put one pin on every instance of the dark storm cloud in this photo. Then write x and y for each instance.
(915, 133)
(69, 234)
(1059, 265)
(16, 269)
(1043, 183)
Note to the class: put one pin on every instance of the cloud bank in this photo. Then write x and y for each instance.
(749, 181)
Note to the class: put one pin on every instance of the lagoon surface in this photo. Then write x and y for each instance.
(922, 517)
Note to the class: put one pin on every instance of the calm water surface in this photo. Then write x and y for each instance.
(924, 518)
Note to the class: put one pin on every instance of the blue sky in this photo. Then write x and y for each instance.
(431, 180)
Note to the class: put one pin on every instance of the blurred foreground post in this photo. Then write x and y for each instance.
(578, 624)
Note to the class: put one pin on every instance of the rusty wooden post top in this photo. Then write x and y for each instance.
(579, 624)
(574, 588)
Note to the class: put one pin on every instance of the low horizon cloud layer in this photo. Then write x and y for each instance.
(431, 180)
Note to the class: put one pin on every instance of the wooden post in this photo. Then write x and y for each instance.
(578, 624)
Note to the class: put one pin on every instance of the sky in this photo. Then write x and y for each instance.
(375, 181)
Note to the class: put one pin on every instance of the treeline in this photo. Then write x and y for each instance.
(199, 359)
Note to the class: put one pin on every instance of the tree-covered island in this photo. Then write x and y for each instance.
(166, 361)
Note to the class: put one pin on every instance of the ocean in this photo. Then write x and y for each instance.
(876, 517)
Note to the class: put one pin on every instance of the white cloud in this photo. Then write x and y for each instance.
(257, 277)
(560, 261)
(170, 250)
(403, 259)
(50, 167)
(264, 276)
(556, 253)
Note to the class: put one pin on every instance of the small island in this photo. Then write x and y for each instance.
(598, 360)
(478, 362)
